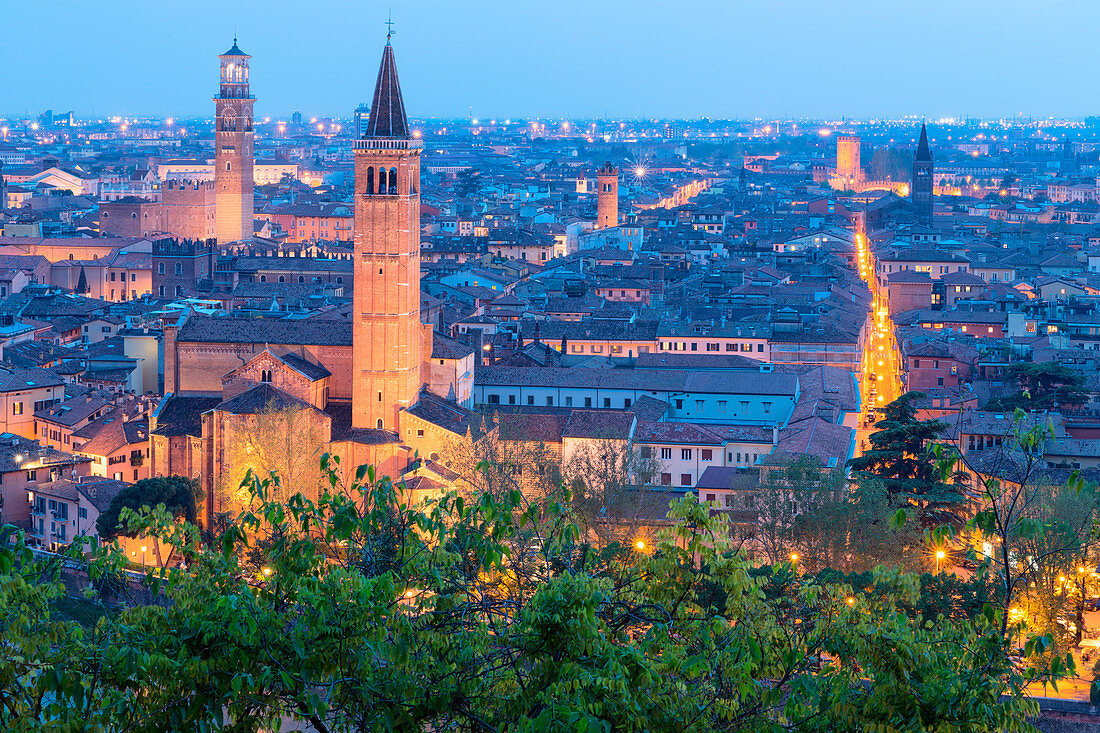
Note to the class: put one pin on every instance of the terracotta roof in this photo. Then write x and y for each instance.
(182, 415)
(599, 424)
(214, 329)
(261, 398)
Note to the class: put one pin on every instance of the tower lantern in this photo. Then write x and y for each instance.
(233, 161)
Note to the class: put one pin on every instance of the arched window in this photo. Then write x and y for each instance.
(301, 279)
(380, 423)
(381, 180)
(161, 291)
(282, 279)
(339, 281)
(179, 290)
(370, 179)
(133, 215)
(70, 255)
(263, 278)
(160, 268)
(393, 181)
(179, 268)
(265, 375)
(228, 165)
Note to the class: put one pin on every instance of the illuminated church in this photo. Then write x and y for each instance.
(373, 385)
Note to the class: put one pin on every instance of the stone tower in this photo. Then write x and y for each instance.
(920, 190)
(607, 196)
(847, 158)
(386, 340)
(233, 149)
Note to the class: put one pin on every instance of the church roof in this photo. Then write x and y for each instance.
(199, 328)
(923, 153)
(261, 398)
(387, 111)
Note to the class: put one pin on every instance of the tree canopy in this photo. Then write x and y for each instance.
(179, 495)
(907, 457)
(1040, 386)
(488, 613)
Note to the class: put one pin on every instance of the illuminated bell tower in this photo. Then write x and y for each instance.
(607, 196)
(386, 336)
(233, 203)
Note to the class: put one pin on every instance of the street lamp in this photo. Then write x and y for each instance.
(940, 555)
(794, 557)
(640, 545)
(143, 556)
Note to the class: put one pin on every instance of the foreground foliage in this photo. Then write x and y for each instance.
(358, 612)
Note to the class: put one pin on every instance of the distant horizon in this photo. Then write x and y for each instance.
(801, 59)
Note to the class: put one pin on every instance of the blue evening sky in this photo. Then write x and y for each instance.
(577, 58)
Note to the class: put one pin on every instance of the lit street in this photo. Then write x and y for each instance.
(880, 376)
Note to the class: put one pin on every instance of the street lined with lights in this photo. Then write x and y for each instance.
(880, 382)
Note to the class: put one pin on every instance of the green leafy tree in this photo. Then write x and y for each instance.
(447, 624)
(912, 465)
(1033, 530)
(180, 496)
(1041, 386)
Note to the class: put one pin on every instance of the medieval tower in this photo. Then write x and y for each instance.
(847, 158)
(386, 337)
(233, 149)
(920, 190)
(607, 196)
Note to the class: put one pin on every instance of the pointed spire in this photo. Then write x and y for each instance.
(387, 111)
(923, 153)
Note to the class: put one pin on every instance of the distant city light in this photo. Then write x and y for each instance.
(474, 121)
(824, 132)
(639, 172)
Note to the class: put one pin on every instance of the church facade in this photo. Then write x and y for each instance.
(372, 384)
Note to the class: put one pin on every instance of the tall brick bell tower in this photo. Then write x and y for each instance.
(233, 204)
(386, 345)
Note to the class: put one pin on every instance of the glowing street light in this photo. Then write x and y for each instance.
(640, 545)
(940, 555)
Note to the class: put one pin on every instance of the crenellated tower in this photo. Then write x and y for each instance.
(233, 206)
(607, 196)
(387, 335)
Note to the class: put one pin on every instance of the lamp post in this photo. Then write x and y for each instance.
(143, 556)
(940, 555)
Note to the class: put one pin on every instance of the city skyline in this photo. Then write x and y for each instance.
(929, 60)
